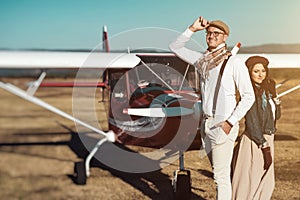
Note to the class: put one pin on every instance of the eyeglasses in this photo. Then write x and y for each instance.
(213, 33)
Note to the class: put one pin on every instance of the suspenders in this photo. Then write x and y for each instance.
(218, 86)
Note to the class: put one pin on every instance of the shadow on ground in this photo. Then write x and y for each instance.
(160, 188)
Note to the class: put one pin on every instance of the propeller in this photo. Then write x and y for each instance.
(158, 112)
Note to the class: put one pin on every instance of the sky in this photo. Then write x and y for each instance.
(77, 24)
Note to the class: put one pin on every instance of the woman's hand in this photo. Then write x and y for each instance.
(277, 101)
(267, 157)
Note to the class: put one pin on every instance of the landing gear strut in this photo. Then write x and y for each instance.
(182, 181)
(82, 168)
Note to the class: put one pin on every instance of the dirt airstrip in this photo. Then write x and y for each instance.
(38, 149)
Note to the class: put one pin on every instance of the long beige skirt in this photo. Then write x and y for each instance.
(249, 180)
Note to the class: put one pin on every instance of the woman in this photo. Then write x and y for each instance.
(253, 168)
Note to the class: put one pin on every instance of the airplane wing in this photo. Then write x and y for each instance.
(276, 60)
(55, 59)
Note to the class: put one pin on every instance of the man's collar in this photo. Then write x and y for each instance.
(216, 49)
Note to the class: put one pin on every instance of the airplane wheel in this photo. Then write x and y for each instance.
(80, 174)
(183, 186)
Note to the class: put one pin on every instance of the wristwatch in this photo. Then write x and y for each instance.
(229, 123)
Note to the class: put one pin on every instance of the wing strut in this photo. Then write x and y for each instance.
(109, 136)
(289, 90)
(35, 84)
(21, 93)
(184, 76)
(153, 72)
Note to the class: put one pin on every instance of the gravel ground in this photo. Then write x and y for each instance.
(38, 150)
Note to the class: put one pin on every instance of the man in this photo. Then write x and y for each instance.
(221, 111)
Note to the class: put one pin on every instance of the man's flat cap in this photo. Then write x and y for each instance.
(220, 25)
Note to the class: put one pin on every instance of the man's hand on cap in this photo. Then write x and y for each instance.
(199, 24)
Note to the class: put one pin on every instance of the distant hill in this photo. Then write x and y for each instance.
(266, 48)
(271, 48)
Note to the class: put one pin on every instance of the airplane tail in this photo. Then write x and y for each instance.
(105, 39)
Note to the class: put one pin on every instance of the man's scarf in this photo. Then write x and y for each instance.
(212, 59)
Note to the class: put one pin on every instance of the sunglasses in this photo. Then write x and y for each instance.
(213, 33)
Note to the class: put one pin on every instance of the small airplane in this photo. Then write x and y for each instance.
(154, 101)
